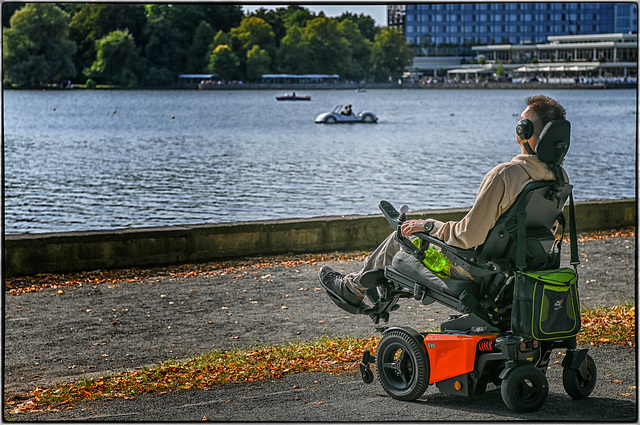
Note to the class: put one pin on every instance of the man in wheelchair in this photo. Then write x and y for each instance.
(516, 305)
(498, 191)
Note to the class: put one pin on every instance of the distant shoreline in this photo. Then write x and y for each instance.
(361, 87)
(416, 86)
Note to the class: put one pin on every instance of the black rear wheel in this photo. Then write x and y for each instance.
(402, 366)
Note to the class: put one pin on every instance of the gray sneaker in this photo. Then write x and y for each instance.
(333, 283)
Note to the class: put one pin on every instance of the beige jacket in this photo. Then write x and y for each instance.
(498, 190)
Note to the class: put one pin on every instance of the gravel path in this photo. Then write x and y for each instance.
(61, 335)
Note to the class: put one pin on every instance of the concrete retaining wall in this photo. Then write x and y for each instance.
(76, 251)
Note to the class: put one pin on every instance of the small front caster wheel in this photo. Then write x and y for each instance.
(525, 389)
(367, 375)
(579, 383)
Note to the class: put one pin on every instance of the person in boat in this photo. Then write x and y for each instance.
(497, 192)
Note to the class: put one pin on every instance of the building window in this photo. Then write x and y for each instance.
(584, 54)
(565, 55)
(628, 55)
(606, 54)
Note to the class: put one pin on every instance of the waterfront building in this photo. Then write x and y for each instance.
(563, 58)
(450, 29)
(395, 16)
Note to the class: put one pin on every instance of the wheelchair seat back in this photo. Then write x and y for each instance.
(532, 217)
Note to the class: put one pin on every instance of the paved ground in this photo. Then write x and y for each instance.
(52, 336)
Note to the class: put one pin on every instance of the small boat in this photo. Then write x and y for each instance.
(292, 96)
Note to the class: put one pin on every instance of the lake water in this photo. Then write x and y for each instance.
(86, 160)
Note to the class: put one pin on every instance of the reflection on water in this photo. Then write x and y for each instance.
(84, 160)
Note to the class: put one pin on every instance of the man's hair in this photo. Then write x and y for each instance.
(544, 110)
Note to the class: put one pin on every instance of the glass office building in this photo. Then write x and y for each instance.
(465, 24)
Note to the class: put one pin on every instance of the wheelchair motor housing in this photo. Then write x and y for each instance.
(468, 364)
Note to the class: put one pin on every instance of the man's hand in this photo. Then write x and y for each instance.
(410, 227)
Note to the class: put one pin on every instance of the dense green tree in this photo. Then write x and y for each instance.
(157, 76)
(168, 39)
(94, 21)
(366, 24)
(252, 31)
(163, 49)
(224, 63)
(360, 50)
(294, 53)
(70, 8)
(117, 60)
(221, 17)
(220, 38)
(390, 55)
(182, 17)
(330, 50)
(36, 49)
(297, 16)
(275, 19)
(258, 62)
(198, 53)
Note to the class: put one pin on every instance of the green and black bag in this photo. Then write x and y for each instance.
(546, 304)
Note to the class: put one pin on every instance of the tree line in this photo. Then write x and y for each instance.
(150, 45)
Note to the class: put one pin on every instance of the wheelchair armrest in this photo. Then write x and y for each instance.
(469, 254)
(465, 258)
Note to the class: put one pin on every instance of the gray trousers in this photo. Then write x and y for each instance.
(378, 260)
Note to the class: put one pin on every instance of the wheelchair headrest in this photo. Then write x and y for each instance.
(553, 143)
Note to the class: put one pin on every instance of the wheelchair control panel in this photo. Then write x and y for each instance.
(390, 213)
(395, 220)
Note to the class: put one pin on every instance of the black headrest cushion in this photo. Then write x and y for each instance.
(553, 143)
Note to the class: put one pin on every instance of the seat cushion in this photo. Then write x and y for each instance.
(414, 269)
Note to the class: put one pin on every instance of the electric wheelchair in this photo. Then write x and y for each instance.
(485, 346)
